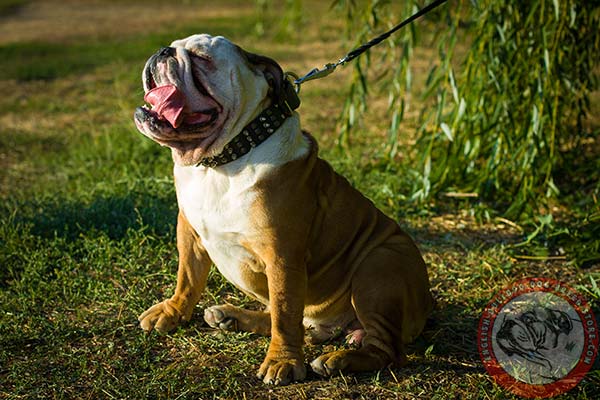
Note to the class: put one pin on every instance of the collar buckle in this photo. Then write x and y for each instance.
(289, 100)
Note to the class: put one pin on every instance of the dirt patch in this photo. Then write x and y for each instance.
(60, 21)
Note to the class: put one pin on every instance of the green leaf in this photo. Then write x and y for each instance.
(556, 9)
(462, 106)
(453, 86)
(447, 131)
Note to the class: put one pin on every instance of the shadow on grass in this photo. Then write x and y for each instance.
(39, 237)
(24, 143)
(112, 215)
(452, 331)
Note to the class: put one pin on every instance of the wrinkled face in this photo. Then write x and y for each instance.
(202, 91)
(533, 330)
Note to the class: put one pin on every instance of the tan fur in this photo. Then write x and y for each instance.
(326, 251)
(292, 233)
(194, 264)
(351, 257)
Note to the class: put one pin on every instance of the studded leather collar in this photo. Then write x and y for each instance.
(258, 130)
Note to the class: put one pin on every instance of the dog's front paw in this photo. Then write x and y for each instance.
(163, 317)
(282, 370)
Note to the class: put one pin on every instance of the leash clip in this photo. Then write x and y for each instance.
(315, 73)
(327, 69)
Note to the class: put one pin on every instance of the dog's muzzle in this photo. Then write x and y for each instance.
(169, 109)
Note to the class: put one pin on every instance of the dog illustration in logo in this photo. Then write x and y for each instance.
(532, 334)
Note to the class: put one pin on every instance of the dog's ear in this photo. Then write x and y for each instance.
(270, 69)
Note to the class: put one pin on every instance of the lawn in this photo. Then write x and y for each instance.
(88, 212)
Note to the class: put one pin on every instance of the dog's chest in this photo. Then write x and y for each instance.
(218, 207)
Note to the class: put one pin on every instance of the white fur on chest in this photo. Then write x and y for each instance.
(217, 201)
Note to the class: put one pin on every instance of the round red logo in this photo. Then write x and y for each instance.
(538, 338)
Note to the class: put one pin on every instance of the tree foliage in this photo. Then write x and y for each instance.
(499, 115)
(505, 103)
(502, 108)
(518, 98)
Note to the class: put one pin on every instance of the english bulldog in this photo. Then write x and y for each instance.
(276, 220)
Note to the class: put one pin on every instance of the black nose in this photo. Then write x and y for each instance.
(166, 52)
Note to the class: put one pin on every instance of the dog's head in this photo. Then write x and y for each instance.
(527, 332)
(202, 91)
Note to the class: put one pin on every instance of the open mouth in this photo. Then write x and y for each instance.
(193, 123)
(169, 114)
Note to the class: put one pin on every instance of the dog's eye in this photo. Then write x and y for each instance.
(198, 80)
(201, 58)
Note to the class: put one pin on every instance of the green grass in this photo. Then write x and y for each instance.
(87, 242)
(39, 60)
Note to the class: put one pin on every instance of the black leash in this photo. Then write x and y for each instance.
(267, 122)
(329, 68)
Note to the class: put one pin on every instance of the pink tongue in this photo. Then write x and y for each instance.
(168, 102)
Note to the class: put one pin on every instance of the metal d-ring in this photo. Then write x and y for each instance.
(293, 81)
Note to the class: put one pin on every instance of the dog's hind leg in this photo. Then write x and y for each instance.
(231, 318)
(390, 294)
